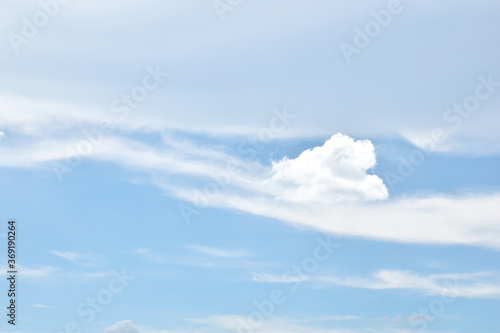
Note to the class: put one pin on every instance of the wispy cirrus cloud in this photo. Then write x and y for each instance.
(218, 253)
(42, 306)
(467, 285)
(475, 285)
(79, 259)
(35, 273)
(320, 324)
(273, 324)
(467, 220)
(150, 255)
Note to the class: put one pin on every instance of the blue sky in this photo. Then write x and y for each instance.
(252, 166)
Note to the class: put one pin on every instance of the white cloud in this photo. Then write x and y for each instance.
(218, 253)
(418, 317)
(36, 273)
(80, 259)
(469, 220)
(271, 325)
(231, 323)
(125, 326)
(66, 255)
(42, 306)
(476, 285)
(34, 153)
(42, 118)
(470, 144)
(332, 173)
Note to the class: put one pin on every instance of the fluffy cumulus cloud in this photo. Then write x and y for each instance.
(335, 172)
(125, 326)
